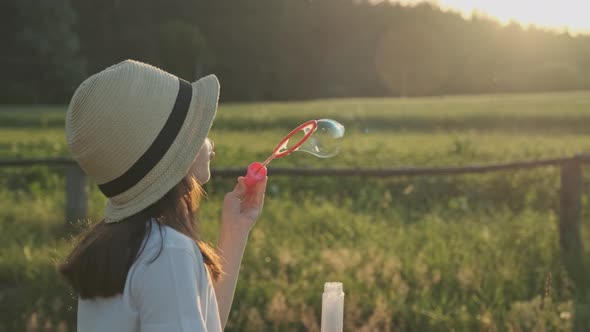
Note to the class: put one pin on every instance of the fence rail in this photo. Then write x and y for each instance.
(570, 191)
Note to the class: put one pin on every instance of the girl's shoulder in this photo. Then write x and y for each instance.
(164, 239)
(169, 261)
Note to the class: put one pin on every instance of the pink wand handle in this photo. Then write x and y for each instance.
(256, 172)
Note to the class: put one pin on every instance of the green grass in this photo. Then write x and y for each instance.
(463, 253)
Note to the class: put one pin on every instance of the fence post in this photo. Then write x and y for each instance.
(570, 207)
(76, 194)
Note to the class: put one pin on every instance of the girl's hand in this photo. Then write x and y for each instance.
(242, 206)
(241, 209)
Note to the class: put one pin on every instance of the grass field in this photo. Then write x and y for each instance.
(449, 253)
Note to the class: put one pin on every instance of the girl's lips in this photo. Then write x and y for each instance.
(212, 155)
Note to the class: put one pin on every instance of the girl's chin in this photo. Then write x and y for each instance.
(204, 178)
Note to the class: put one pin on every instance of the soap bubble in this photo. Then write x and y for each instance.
(326, 141)
(321, 138)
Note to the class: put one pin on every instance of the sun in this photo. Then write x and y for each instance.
(570, 15)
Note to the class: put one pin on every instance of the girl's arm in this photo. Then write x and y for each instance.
(241, 209)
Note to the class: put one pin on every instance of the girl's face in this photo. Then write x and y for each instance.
(200, 167)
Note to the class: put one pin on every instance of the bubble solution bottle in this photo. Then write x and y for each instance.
(332, 307)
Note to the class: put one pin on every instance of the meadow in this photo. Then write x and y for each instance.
(430, 253)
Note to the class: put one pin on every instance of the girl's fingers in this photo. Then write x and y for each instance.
(250, 196)
(240, 189)
(239, 181)
(232, 202)
(260, 190)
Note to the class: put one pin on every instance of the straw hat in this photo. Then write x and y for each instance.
(136, 130)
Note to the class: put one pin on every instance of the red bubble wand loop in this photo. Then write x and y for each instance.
(257, 171)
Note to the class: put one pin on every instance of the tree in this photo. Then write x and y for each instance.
(40, 61)
(411, 57)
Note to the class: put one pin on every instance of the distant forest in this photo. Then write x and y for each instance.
(282, 49)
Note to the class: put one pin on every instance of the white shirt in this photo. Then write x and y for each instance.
(174, 293)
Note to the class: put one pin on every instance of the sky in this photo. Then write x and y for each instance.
(573, 15)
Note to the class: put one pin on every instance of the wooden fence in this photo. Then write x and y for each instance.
(570, 191)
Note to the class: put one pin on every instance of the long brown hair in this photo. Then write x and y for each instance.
(99, 263)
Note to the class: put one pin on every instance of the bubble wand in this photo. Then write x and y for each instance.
(319, 138)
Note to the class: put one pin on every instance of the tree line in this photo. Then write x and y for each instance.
(283, 49)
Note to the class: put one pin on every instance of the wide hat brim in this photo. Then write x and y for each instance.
(176, 162)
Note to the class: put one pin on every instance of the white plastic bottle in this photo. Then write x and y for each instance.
(332, 307)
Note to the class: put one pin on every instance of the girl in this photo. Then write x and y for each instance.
(141, 134)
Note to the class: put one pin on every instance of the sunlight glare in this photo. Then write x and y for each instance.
(570, 15)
